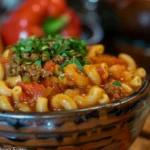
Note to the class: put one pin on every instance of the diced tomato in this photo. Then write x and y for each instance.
(4, 60)
(100, 71)
(25, 98)
(31, 90)
(55, 86)
(49, 65)
(47, 83)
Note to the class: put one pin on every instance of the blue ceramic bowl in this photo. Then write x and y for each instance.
(112, 126)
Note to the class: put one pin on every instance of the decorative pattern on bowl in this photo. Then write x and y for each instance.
(112, 126)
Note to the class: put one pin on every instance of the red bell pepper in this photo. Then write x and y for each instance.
(73, 28)
(29, 17)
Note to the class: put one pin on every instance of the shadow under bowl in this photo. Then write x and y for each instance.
(107, 127)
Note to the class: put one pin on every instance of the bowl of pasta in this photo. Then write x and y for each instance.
(59, 93)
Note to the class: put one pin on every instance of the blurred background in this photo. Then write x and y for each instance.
(121, 25)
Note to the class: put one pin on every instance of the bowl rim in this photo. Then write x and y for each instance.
(57, 114)
(96, 29)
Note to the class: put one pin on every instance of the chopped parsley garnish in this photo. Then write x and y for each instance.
(38, 62)
(72, 60)
(117, 83)
(62, 76)
(72, 48)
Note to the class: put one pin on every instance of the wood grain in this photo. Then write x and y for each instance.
(141, 144)
(146, 129)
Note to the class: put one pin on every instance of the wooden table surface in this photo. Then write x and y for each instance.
(143, 141)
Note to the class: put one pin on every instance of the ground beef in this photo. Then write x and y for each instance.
(44, 57)
(60, 59)
(33, 56)
(114, 92)
(33, 71)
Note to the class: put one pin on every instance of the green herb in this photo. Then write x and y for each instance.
(55, 46)
(72, 60)
(38, 62)
(78, 64)
(64, 54)
(117, 83)
(28, 62)
(86, 63)
(65, 64)
(47, 54)
(45, 47)
(73, 48)
(18, 58)
(62, 76)
(72, 52)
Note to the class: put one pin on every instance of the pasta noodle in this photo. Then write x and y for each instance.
(5, 103)
(104, 99)
(136, 81)
(103, 70)
(64, 74)
(94, 96)
(129, 60)
(2, 72)
(141, 72)
(6, 53)
(93, 74)
(23, 107)
(63, 101)
(16, 93)
(94, 51)
(42, 104)
(73, 76)
(12, 81)
(127, 88)
(4, 90)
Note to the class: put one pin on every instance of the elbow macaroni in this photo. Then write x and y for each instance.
(72, 87)
(104, 99)
(4, 90)
(6, 53)
(2, 72)
(93, 75)
(129, 60)
(141, 72)
(62, 101)
(16, 93)
(94, 51)
(94, 96)
(73, 76)
(42, 104)
(12, 81)
(5, 103)
(127, 88)
(23, 107)
(104, 70)
(136, 81)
